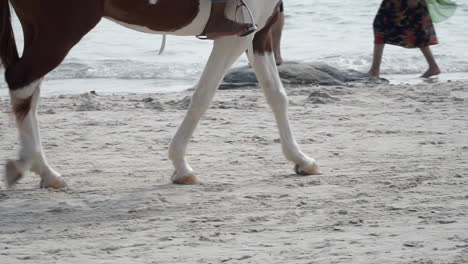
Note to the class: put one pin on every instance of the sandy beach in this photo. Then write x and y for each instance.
(393, 189)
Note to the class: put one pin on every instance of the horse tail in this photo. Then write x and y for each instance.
(8, 49)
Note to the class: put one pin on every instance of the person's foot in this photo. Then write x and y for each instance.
(224, 27)
(431, 72)
(373, 73)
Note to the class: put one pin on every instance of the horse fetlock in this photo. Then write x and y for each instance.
(34, 160)
(49, 177)
(308, 167)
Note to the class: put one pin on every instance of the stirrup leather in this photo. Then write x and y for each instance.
(254, 27)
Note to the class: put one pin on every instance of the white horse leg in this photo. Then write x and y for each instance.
(31, 155)
(225, 53)
(268, 77)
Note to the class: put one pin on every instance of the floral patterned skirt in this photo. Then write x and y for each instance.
(397, 24)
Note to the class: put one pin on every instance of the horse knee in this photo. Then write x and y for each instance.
(21, 107)
(22, 99)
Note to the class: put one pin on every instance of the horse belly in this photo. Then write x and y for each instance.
(175, 17)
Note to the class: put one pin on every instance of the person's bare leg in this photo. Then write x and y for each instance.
(377, 60)
(220, 26)
(277, 32)
(433, 67)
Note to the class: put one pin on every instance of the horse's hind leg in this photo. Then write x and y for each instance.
(42, 53)
(31, 155)
(224, 54)
(264, 64)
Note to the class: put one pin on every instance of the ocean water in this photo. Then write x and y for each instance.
(337, 32)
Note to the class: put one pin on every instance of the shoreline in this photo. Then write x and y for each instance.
(110, 86)
(414, 78)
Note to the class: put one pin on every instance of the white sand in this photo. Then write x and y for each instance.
(394, 187)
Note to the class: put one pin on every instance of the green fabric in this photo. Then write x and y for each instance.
(441, 10)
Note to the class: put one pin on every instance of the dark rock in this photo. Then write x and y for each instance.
(147, 100)
(298, 73)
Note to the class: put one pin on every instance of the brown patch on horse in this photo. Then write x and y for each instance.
(51, 28)
(164, 16)
(8, 49)
(263, 40)
(21, 107)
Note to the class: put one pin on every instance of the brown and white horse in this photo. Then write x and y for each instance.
(52, 27)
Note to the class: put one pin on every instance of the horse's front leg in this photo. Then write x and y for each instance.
(264, 65)
(225, 53)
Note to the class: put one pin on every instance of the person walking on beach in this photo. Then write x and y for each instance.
(404, 23)
(220, 26)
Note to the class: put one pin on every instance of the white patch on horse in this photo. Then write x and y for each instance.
(153, 2)
(25, 92)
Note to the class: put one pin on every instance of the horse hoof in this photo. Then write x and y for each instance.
(187, 180)
(12, 173)
(312, 169)
(58, 183)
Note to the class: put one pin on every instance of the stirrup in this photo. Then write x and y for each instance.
(252, 28)
(202, 36)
